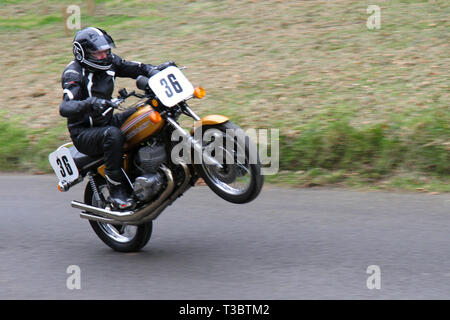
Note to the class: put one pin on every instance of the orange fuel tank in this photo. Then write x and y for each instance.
(139, 127)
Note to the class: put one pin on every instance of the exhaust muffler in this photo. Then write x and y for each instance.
(133, 217)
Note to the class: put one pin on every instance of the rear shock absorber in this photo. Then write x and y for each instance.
(96, 194)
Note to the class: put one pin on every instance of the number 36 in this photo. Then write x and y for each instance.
(175, 85)
(66, 165)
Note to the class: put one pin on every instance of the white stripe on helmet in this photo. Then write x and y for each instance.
(97, 30)
(96, 66)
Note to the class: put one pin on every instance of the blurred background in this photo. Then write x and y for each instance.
(356, 106)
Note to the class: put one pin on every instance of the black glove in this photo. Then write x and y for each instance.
(98, 105)
(149, 70)
(165, 65)
(152, 72)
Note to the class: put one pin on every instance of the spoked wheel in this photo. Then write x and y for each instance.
(123, 238)
(238, 179)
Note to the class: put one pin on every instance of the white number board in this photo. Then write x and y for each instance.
(171, 86)
(63, 164)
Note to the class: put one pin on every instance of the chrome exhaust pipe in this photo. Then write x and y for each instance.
(86, 215)
(153, 215)
(130, 216)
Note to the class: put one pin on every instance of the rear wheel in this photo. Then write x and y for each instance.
(239, 180)
(122, 238)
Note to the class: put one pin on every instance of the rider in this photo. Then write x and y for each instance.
(88, 83)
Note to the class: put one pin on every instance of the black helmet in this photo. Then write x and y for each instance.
(89, 40)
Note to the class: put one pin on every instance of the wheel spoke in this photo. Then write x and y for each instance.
(126, 234)
(238, 171)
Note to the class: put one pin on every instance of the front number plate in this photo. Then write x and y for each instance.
(171, 86)
(63, 164)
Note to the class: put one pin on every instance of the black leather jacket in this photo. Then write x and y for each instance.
(79, 83)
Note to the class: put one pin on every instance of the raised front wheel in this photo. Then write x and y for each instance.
(238, 179)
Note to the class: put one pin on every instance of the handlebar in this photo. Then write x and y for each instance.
(142, 83)
(123, 95)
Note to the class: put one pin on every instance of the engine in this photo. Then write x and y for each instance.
(151, 181)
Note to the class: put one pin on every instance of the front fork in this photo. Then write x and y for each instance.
(197, 145)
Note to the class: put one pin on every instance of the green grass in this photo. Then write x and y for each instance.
(28, 22)
(13, 144)
(419, 143)
(25, 149)
(397, 181)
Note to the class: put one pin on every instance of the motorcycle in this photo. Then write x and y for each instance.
(161, 161)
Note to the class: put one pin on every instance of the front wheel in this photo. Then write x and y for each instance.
(122, 238)
(239, 180)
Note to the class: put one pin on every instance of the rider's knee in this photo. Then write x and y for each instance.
(113, 134)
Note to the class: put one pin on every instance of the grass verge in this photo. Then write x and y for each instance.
(27, 149)
(420, 143)
(395, 181)
(332, 154)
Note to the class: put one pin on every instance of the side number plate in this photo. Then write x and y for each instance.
(63, 165)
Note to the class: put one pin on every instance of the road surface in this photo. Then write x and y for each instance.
(287, 244)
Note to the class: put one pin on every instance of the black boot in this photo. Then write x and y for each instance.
(118, 195)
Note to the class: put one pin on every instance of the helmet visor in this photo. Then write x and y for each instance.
(99, 54)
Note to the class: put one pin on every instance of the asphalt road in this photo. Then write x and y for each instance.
(287, 244)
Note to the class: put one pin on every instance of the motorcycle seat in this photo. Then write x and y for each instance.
(83, 161)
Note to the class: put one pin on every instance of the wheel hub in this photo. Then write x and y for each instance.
(226, 174)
